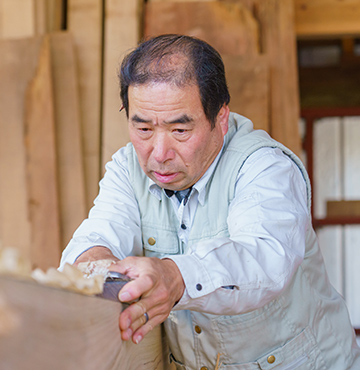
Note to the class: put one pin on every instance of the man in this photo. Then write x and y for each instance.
(223, 211)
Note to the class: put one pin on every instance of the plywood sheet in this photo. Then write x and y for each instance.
(85, 24)
(50, 328)
(70, 166)
(41, 164)
(229, 27)
(122, 33)
(248, 82)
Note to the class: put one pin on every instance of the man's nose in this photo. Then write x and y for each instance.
(162, 148)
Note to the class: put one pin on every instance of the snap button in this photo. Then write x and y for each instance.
(151, 240)
(271, 359)
(198, 287)
(197, 329)
(183, 226)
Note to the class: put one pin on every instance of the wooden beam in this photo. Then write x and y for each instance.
(279, 45)
(327, 18)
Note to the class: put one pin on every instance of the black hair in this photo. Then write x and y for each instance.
(180, 60)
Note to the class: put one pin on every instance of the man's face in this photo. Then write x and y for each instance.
(171, 134)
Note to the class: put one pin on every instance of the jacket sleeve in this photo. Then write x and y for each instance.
(114, 220)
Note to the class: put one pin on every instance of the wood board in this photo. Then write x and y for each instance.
(41, 163)
(85, 19)
(279, 44)
(229, 27)
(122, 34)
(15, 225)
(248, 82)
(46, 328)
(70, 166)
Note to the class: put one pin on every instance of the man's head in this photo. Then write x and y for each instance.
(175, 95)
(178, 60)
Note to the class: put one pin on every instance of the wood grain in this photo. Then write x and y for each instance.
(85, 24)
(41, 164)
(229, 27)
(59, 330)
(70, 166)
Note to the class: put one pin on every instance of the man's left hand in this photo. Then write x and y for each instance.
(157, 286)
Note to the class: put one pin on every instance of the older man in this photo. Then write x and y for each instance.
(211, 219)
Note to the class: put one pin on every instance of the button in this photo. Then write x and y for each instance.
(151, 241)
(271, 359)
(198, 287)
(197, 329)
(183, 226)
(204, 368)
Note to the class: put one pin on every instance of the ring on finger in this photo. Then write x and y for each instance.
(146, 317)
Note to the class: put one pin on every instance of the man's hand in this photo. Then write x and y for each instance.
(157, 284)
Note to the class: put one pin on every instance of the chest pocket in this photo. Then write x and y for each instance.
(158, 242)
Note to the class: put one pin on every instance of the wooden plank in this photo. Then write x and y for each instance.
(41, 164)
(18, 64)
(239, 29)
(347, 208)
(279, 44)
(85, 24)
(17, 18)
(122, 33)
(327, 18)
(248, 82)
(70, 168)
(67, 331)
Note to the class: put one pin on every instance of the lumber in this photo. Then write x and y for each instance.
(279, 45)
(327, 18)
(41, 163)
(85, 24)
(51, 328)
(123, 20)
(239, 29)
(248, 84)
(70, 167)
(17, 18)
(18, 64)
(343, 208)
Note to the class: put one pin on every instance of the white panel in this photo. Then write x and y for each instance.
(352, 233)
(352, 272)
(327, 161)
(330, 241)
(352, 158)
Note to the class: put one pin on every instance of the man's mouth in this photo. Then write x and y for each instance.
(165, 178)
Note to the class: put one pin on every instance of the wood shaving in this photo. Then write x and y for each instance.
(71, 278)
(12, 263)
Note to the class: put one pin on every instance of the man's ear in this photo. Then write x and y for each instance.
(223, 118)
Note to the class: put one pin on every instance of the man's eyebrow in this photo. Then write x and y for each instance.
(182, 119)
(136, 118)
